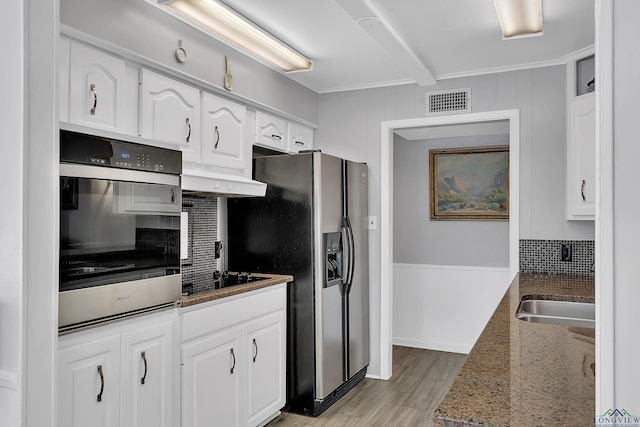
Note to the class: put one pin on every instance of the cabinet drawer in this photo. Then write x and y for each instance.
(231, 311)
(300, 138)
(271, 132)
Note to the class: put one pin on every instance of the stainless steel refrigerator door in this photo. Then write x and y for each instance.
(329, 347)
(357, 209)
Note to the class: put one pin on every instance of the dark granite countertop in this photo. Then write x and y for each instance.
(272, 279)
(523, 374)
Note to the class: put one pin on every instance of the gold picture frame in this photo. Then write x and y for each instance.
(469, 183)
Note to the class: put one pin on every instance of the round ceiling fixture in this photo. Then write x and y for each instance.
(368, 21)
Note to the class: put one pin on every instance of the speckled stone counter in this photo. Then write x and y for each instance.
(273, 279)
(523, 374)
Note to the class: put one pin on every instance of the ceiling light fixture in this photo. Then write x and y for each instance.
(223, 22)
(519, 18)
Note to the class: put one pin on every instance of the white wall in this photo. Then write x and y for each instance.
(349, 126)
(619, 214)
(11, 182)
(420, 240)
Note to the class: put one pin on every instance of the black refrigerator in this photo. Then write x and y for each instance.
(311, 224)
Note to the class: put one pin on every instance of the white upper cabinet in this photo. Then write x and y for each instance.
(581, 158)
(223, 139)
(271, 132)
(170, 112)
(300, 137)
(97, 96)
(581, 136)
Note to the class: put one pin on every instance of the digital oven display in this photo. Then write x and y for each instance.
(120, 153)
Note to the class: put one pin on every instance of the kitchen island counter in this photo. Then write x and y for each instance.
(526, 374)
(215, 294)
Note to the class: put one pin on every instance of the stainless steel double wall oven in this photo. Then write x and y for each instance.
(120, 205)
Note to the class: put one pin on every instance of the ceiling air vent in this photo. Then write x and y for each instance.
(449, 101)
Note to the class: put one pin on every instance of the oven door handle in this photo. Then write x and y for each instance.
(115, 174)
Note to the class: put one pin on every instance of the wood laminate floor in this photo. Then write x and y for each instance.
(419, 382)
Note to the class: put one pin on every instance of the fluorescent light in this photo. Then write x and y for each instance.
(519, 18)
(227, 24)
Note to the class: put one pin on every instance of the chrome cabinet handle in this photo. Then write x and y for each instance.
(255, 353)
(173, 199)
(189, 134)
(144, 359)
(217, 138)
(273, 135)
(99, 398)
(298, 142)
(233, 367)
(584, 199)
(95, 99)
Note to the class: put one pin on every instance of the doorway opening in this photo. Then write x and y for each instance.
(511, 120)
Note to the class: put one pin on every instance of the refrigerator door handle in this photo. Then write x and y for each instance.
(353, 254)
(350, 271)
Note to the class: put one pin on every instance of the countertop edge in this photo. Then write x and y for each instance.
(273, 279)
(476, 371)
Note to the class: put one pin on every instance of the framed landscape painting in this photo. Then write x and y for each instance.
(469, 183)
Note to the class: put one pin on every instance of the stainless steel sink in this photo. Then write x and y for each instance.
(564, 313)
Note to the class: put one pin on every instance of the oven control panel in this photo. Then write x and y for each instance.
(94, 150)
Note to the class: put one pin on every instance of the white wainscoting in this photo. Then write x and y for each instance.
(446, 307)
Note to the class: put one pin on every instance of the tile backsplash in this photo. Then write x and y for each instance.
(543, 256)
(198, 269)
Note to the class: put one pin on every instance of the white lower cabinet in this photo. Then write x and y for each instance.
(265, 367)
(119, 375)
(233, 360)
(89, 383)
(211, 381)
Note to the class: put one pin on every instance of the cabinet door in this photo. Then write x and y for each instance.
(300, 138)
(89, 383)
(265, 342)
(211, 369)
(147, 376)
(271, 132)
(170, 112)
(581, 158)
(96, 88)
(223, 141)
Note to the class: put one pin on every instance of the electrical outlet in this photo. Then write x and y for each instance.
(216, 249)
(566, 250)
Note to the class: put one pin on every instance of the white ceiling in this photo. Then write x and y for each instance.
(417, 41)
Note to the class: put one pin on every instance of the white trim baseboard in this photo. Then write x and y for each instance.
(432, 345)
